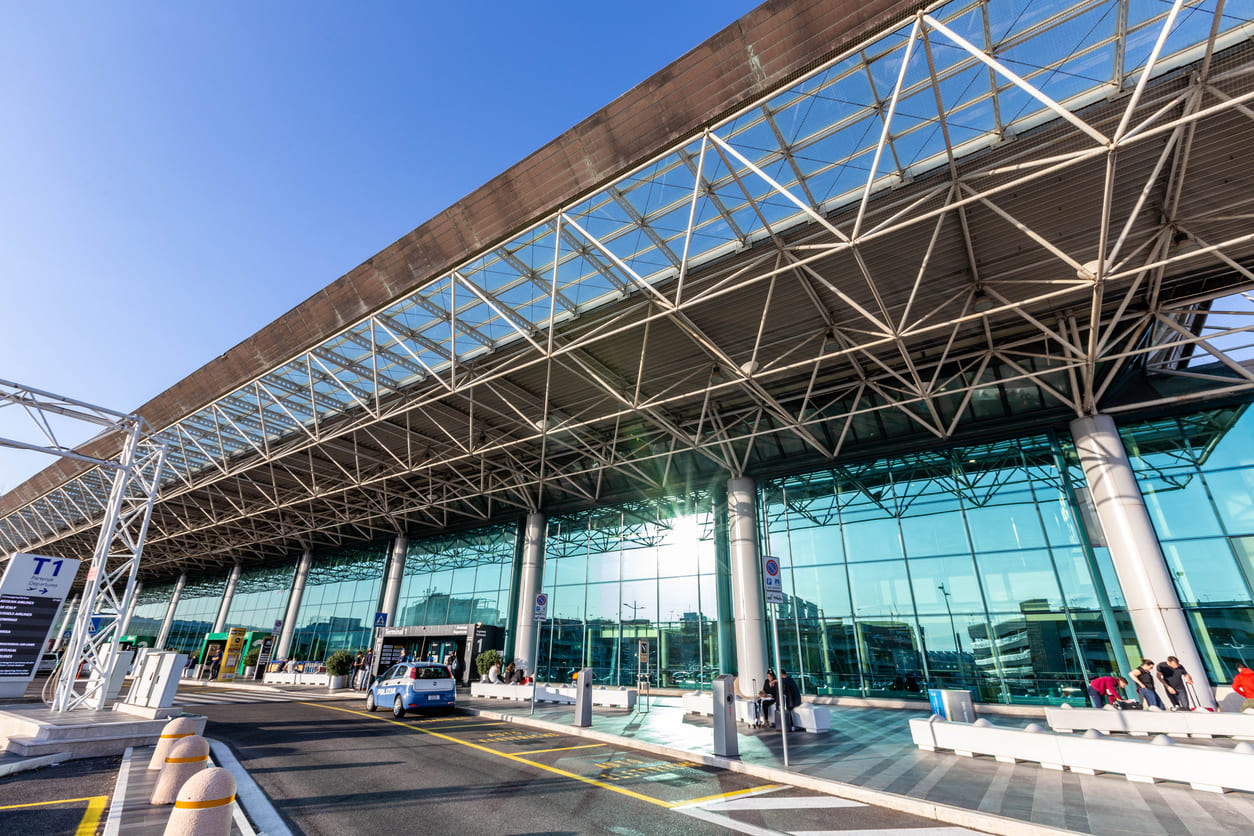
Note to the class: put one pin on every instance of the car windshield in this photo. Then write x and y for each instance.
(432, 673)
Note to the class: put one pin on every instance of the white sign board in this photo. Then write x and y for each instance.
(31, 593)
(542, 607)
(772, 581)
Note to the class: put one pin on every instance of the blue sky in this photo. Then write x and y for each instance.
(174, 176)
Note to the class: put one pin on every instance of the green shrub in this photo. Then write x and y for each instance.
(485, 660)
(251, 657)
(340, 663)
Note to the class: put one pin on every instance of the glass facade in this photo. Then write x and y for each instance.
(260, 597)
(959, 568)
(150, 610)
(339, 602)
(458, 578)
(195, 613)
(625, 574)
(1196, 473)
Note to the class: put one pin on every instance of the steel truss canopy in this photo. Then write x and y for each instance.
(932, 220)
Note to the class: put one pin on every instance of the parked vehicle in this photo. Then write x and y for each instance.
(413, 685)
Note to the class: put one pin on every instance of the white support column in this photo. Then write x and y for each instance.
(125, 623)
(528, 587)
(219, 623)
(293, 605)
(396, 571)
(746, 581)
(1160, 624)
(168, 621)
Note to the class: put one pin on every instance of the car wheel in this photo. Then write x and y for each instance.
(398, 708)
(370, 703)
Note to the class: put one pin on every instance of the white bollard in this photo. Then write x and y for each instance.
(187, 757)
(204, 805)
(176, 729)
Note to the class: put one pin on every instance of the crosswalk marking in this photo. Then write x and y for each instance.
(229, 697)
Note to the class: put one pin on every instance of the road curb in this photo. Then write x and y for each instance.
(249, 795)
(962, 817)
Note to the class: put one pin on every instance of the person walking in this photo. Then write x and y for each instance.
(1243, 684)
(452, 663)
(1143, 676)
(1106, 688)
(1176, 679)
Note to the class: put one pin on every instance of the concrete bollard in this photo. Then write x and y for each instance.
(204, 805)
(176, 729)
(187, 757)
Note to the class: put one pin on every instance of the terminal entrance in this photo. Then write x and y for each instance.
(434, 642)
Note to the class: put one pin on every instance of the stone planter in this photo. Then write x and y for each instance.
(250, 671)
(337, 682)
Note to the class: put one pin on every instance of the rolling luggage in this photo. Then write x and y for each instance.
(1194, 703)
(1127, 705)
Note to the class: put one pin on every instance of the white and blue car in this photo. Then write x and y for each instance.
(413, 685)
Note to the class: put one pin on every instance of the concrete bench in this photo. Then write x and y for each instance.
(811, 717)
(610, 697)
(501, 691)
(1201, 767)
(283, 678)
(1153, 721)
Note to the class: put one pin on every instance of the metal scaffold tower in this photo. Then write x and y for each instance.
(132, 476)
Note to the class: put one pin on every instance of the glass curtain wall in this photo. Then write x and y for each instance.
(150, 610)
(339, 602)
(628, 574)
(958, 568)
(260, 597)
(1196, 474)
(458, 578)
(195, 613)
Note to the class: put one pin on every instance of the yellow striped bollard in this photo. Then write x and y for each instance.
(204, 805)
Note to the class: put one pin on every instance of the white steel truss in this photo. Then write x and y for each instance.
(109, 586)
(998, 210)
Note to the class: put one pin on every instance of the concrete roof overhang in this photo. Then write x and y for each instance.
(962, 288)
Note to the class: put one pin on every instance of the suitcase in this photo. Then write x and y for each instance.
(1194, 703)
(1127, 705)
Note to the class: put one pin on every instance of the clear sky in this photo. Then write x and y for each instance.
(174, 176)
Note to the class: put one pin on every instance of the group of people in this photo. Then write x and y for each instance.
(1175, 679)
(512, 675)
(363, 662)
(768, 698)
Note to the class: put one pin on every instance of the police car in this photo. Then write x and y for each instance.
(413, 685)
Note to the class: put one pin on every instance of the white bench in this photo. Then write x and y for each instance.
(283, 678)
(1201, 767)
(1153, 721)
(611, 697)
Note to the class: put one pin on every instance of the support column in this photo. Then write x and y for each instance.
(746, 578)
(164, 635)
(1160, 624)
(528, 587)
(125, 623)
(293, 606)
(396, 571)
(219, 623)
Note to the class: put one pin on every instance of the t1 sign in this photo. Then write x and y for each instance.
(31, 593)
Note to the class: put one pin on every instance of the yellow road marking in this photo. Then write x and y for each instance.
(91, 818)
(505, 755)
(704, 799)
(471, 726)
(50, 803)
(561, 749)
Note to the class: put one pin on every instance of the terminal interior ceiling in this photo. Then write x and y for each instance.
(878, 273)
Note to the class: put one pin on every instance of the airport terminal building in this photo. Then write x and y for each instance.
(945, 307)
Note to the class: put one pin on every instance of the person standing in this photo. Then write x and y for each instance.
(1243, 684)
(1106, 688)
(792, 697)
(356, 675)
(1173, 675)
(1143, 676)
(452, 663)
(367, 665)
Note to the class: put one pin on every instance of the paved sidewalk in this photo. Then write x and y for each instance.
(869, 756)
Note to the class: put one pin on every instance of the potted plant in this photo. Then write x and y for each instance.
(339, 664)
(250, 661)
(485, 660)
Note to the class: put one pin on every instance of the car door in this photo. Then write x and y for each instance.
(386, 685)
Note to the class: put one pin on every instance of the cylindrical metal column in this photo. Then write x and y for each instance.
(293, 606)
(1159, 622)
(168, 621)
(219, 623)
(528, 587)
(396, 571)
(125, 623)
(746, 577)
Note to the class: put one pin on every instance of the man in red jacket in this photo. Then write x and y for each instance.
(1106, 688)
(1243, 684)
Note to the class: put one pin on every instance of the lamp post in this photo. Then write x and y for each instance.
(962, 668)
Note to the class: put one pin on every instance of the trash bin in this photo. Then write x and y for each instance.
(952, 705)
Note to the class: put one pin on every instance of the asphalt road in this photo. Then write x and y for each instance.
(71, 797)
(334, 768)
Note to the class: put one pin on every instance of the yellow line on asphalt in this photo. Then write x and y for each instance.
(471, 726)
(561, 749)
(505, 755)
(91, 819)
(720, 796)
(49, 803)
